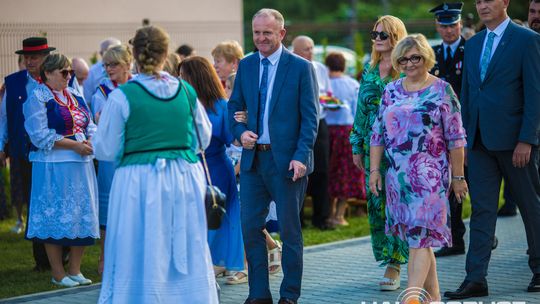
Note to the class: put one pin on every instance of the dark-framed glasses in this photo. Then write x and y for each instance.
(66, 72)
(111, 64)
(414, 59)
(382, 35)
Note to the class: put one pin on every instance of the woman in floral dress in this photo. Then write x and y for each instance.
(389, 250)
(419, 129)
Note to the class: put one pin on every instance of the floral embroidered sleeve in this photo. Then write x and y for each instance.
(454, 133)
(359, 132)
(36, 123)
(377, 134)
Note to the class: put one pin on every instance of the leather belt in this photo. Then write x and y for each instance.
(264, 147)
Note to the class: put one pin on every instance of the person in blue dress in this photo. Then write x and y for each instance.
(226, 244)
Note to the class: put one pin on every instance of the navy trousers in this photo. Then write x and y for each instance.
(486, 170)
(258, 187)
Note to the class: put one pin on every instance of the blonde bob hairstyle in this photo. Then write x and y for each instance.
(118, 53)
(229, 50)
(150, 48)
(419, 42)
(396, 30)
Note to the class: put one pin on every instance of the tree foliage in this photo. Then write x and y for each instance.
(319, 12)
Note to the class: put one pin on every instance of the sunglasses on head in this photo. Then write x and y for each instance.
(382, 35)
(414, 59)
(66, 72)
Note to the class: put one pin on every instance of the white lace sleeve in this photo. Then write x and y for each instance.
(108, 142)
(98, 101)
(35, 120)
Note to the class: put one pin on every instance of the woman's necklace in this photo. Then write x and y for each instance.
(409, 88)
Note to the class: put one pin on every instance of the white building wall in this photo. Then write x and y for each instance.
(77, 27)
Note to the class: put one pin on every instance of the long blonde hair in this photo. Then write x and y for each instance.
(396, 30)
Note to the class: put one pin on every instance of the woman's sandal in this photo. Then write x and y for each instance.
(219, 271)
(389, 284)
(274, 259)
(240, 277)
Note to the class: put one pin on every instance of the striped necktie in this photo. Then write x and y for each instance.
(486, 57)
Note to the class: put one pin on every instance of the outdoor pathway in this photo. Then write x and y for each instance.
(345, 272)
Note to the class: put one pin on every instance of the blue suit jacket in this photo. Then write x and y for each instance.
(506, 105)
(293, 110)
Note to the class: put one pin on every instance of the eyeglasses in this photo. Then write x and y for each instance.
(414, 59)
(111, 64)
(66, 72)
(382, 35)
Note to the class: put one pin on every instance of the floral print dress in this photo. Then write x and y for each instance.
(386, 248)
(418, 129)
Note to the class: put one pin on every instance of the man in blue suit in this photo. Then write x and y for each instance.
(279, 92)
(500, 100)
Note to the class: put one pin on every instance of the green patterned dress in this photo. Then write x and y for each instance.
(386, 248)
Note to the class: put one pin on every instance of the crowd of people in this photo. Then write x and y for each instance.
(113, 153)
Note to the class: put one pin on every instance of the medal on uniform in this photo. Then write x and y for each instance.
(458, 68)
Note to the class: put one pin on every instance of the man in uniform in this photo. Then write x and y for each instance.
(14, 141)
(449, 66)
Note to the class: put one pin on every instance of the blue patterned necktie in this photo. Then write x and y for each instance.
(263, 92)
(486, 57)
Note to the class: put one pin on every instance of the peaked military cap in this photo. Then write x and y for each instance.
(448, 13)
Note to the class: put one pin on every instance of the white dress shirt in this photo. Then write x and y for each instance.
(264, 138)
(499, 32)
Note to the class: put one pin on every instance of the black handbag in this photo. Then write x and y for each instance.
(214, 199)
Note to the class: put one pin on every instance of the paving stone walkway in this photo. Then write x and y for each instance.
(345, 272)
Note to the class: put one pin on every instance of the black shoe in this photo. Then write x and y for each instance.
(495, 243)
(505, 212)
(448, 251)
(286, 301)
(468, 290)
(534, 285)
(258, 301)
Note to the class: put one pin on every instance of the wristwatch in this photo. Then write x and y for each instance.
(458, 177)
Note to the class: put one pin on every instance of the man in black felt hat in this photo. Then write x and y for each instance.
(14, 141)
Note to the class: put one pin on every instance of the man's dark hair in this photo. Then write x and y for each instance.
(185, 50)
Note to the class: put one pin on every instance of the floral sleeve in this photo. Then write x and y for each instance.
(377, 131)
(454, 133)
(358, 132)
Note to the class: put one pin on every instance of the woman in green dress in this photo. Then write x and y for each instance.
(389, 250)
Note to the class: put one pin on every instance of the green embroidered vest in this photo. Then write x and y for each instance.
(158, 127)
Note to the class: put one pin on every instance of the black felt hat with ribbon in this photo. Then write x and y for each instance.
(35, 45)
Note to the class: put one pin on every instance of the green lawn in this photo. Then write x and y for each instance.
(16, 260)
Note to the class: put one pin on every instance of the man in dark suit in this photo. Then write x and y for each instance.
(501, 112)
(279, 92)
(14, 141)
(449, 67)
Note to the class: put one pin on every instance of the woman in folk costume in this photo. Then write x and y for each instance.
(63, 201)
(117, 62)
(156, 249)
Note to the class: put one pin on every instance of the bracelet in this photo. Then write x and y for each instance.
(374, 170)
(458, 177)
